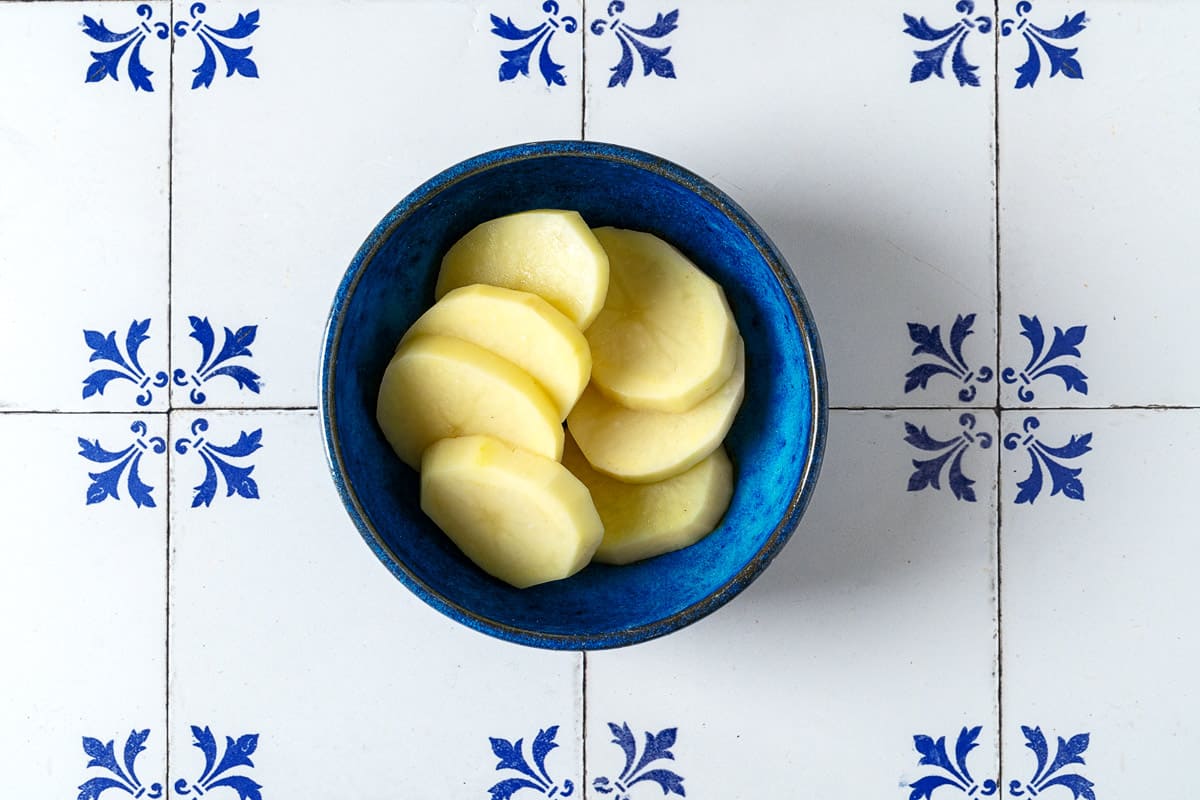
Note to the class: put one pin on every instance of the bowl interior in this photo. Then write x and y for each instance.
(774, 443)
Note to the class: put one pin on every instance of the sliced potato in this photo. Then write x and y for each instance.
(642, 520)
(439, 386)
(520, 327)
(647, 446)
(548, 252)
(665, 338)
(520, 517)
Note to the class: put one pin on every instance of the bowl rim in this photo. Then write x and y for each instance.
(817, 398)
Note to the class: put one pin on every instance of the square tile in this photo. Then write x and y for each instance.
(1098, 177)
(83, 206)
(82, 585)
(286, 157)
(876, 621)
(285, 630)
(1098, 600)
(877, 188)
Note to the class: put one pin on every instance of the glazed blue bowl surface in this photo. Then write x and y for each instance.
(775, 444)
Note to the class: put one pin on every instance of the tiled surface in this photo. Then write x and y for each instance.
(284, 626)
(991, 593)
(83, 216)
(82, 583)
(869, 627)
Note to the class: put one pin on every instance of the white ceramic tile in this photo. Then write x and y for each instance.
(279, 178)
(286, 629)
(82, 611)
(878, 190)
(83, 206)
(1098, 179)
(1099, 598)
(875, 625)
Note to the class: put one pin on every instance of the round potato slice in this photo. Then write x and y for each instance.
(439, 386)
(665, 339)
(520, 327)
(520, 517)
(647, 446)
(642, 520)
(548, 252)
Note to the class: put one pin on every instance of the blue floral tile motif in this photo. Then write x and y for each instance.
(948, 773)
(126, 47)
(107, 63)
(234, 345)
(1049, 773)
(218, 461)
(657, 746)
(1063, 479)
(1048, 360)
(123, 366)
(932, 60)
(106, 483)
(220, 40)
(951, 451)
(1061, 59)
(533, 777)
(954, 776)
(945, 361)
(216, 775)
(654, 59)
(123, 777)
(951, 40)
(516, 60)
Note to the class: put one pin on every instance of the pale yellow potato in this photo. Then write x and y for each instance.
(520, 327)
(548, 252)
(642, 520)
(520, 517)
(665, 339)
(647, 446)
(439, 386)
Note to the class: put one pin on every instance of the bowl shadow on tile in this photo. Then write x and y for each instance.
(868, 547)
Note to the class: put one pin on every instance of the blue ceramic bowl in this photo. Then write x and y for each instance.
(775, 444)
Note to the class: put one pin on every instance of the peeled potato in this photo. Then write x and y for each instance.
(647, 446)
(517, 326)
(548, 252)
(665, 339)
(520, 517)
(439, 386)
(642, 520)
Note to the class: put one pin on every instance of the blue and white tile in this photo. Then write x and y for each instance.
(866, 648)
(1098, 177)
(288, 637)
(860, 136)
(83, 206)
(82, 585)
(297, 126)
(1098, 598)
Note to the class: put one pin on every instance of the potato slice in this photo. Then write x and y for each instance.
(520, 517)
(439, 386)
(548, 252)
(665, 338)
(642, 520)
(520, 327)
(647, 446)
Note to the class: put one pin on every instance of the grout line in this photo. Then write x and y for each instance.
(583, 723)
(999, 407)
(170, 386)
(583, 85)
(167, 631)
